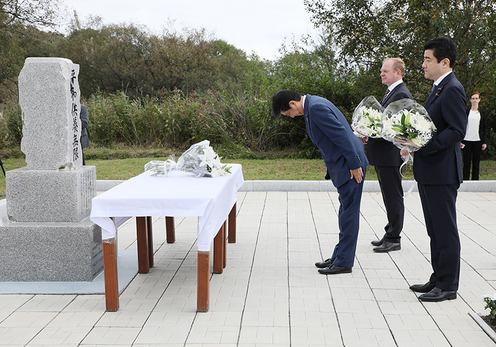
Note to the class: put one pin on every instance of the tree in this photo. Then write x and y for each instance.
(367, 31)
(131, 59)
(40, 13)
(20, 37)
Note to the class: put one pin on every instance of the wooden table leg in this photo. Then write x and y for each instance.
(219, 251)
(232, 224)
(203, 285)
(225, 245)
(110, 275)
(142, 240)
(149, 230)
(170, 229)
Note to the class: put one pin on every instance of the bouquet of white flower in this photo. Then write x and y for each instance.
(407, 120)
(200, 160)
(367, 118)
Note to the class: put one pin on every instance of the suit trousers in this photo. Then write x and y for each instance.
(350, 196)
(471, 157)
(439, 206)
(389, 178)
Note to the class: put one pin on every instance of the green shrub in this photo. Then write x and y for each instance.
(11, 126)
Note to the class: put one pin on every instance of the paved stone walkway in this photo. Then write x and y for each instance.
(270, 293)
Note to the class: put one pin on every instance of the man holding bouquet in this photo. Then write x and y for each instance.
(438, 170)
(385, 157)
(346, 164)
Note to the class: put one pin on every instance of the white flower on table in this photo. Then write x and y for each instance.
(200, 159)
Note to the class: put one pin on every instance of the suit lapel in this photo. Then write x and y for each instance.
(436, 92)
(391, 93)
(307, 116)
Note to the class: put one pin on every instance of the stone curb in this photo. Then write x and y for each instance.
(321, 186)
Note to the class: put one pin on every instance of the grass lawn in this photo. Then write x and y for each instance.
(253, 169)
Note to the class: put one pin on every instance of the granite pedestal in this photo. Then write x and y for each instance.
(61, 251)
(45, 231)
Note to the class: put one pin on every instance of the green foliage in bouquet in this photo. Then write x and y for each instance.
(491, 305)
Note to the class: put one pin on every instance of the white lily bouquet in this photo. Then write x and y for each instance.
(406, 119)
(367, 118)
(200, 160)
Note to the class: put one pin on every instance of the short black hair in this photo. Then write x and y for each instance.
(442, 48)
(281, 99)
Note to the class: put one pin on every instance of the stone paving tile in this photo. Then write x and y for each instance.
(60, 336)
(18, 336)
(270, 293)
(111, 335)
(267, 335)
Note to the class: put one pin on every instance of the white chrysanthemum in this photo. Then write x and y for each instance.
(367, 121)
(422, 124)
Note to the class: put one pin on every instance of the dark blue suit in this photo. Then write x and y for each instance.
(438, 170)
(385, 156)
(342, 151)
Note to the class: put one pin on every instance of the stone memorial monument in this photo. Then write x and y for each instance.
(45, 230)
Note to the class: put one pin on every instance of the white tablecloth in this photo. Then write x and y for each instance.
(211, 199)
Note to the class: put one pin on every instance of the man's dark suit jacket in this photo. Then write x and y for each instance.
(439, 162)
(379, 151)
(329, 130)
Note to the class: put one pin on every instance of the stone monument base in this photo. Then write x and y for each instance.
(47, 252)
(50, 195)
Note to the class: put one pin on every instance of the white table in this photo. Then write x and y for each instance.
(212, 200)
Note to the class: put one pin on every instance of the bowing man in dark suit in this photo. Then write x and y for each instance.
(346, 164)
(385, 156)
(438, 170)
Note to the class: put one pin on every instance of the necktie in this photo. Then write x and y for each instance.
(385, 95)
(434, 88)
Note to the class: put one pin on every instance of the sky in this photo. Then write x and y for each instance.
(255, 26)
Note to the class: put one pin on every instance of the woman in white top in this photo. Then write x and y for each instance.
(475, 138)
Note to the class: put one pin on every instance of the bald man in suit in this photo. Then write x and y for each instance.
(385, 157)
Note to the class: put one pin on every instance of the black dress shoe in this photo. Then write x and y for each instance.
(335, 269)
(423, 288)
(324, 264)
(437, 294)
(378, 242)
(388, 247)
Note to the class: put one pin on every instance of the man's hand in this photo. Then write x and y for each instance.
(357, 174)
(364, 139)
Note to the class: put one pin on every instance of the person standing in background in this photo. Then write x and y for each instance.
(385, 157)
(84, 140)
(475, 139)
